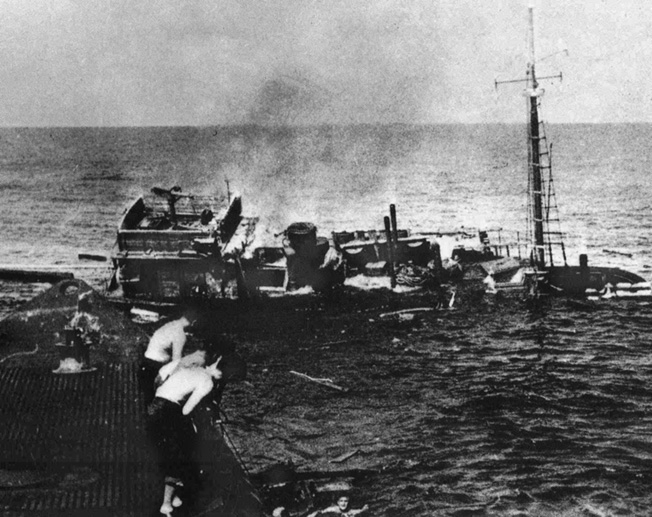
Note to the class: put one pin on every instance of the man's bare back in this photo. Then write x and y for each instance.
(188, 386)
(166, 344)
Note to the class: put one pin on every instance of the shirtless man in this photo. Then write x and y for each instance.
(171, 427)
(165, 345)
(197, 358)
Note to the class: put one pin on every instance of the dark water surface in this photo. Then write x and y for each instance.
(495, 408)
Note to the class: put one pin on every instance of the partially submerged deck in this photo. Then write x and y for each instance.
(75, 444)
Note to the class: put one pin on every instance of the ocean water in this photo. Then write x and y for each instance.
(501, 409)
(64, 190)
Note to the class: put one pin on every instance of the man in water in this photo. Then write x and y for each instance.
(171, 428)
(341, 508)
(165, 345)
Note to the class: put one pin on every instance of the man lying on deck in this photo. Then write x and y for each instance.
(171, 428)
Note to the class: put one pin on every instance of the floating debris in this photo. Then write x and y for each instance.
(406, 311)
(324, 382)
(343, 457)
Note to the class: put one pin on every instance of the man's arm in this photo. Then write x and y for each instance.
(178, 342)
(356, 512)
(198, 393)
(165, 371)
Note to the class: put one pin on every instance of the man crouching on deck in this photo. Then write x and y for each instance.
(171, 428)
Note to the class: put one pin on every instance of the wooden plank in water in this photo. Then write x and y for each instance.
(98, 257)
(34, 275)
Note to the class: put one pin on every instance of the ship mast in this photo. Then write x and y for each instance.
(538, 159)
(534, 152)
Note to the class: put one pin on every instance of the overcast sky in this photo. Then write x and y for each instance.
(211, 62)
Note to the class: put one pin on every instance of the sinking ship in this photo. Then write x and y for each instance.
(545, 265)
(173, 245)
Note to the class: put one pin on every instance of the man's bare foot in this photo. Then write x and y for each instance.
(166, 509)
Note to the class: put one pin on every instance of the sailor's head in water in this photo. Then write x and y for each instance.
(343, 503)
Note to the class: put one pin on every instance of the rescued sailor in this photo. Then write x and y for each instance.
(165, 345)
(171, 428)
(340, 508)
